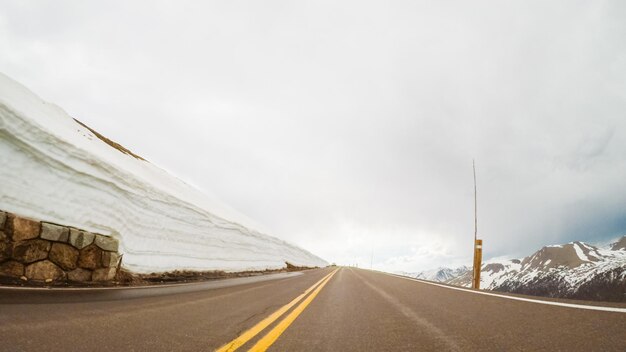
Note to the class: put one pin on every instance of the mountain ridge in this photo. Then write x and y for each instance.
(575, 270)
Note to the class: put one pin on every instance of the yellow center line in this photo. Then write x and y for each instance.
(253, 331)
(275, 333)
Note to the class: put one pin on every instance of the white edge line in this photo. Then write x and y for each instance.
(550, 303)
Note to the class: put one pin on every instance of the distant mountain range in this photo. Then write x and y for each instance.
(441, 274)
(574, 270)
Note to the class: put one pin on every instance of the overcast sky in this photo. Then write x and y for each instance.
(349, 127)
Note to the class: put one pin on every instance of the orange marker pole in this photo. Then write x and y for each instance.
(478, 258)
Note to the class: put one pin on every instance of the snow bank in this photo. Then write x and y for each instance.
(57, 170)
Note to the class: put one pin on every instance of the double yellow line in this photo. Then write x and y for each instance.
(267, 340)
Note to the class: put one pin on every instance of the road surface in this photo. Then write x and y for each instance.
(331, 309)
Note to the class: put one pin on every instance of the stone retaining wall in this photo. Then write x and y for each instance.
(46, 252)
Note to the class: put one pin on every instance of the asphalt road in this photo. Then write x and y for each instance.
(348, 310)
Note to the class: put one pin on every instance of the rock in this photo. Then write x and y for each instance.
(31, 251)
(109, 259)
(24, 229)
(12, 268)
(64, 255)
(23, 278)
(80, 275)
(89, 257)
(104, 274)
(54, 232)
(5, 249)
(48, 281)
(3, 219)
(107, 243)
(81, 239)
(44, 270)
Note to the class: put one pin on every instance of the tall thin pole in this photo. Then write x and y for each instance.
(475, 204)
(478, 244)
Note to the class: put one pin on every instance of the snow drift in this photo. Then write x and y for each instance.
(56, 169)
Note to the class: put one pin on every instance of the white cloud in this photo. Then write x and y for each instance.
(349, 128)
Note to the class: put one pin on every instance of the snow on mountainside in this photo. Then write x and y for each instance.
(59, 170)
(619, 245)
(573, 270)
(440, 274)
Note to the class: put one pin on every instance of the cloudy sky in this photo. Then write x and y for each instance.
(349, 127)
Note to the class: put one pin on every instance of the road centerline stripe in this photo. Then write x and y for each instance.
(271, 337)
(253, 331)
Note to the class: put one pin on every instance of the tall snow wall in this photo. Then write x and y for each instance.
(56, 169)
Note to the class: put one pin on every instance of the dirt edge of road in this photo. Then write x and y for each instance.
(126, 278)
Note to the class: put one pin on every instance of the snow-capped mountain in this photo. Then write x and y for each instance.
(440, 274)
(56, 169)
(573, 270)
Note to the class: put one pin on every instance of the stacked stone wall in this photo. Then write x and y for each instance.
(46, 252)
